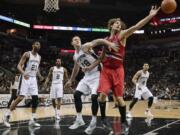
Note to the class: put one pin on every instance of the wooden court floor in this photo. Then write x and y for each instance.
(162, 109)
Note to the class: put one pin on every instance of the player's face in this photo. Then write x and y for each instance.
(116, 26)
(76, 41)
(36, 46)
(58, 62)
(146, 67)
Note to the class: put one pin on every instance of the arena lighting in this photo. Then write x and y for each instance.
(7, 19)
(22, 23)
(169, 19)
(175, 30)
(67, 51)
(45, 27)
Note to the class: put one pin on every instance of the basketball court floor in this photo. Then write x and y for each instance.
(166, 120)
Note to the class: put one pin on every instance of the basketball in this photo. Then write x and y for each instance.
(168, 6)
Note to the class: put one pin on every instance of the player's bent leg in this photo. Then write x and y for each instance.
(133, 102)
(150, 102)
(102, 105)
(122, 111)
(58, 108)
(148, 110)
(89, 130)
(78, 101)
(7, 115)
(16, 102)
(78, 105)
(34, 108)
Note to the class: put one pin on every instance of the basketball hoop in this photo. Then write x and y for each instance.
(51, 5)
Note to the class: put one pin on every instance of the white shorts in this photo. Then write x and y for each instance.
(89, 83)
(56, 91)
(28, 87)
(143, 91)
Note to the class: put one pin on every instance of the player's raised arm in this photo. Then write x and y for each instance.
(97, 42)
(94, 64)
(128, 32)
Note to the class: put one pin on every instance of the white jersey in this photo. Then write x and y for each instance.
(142, 80)
(57, 75)
(85, 60)
(32, 64)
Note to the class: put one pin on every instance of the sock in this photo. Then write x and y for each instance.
(103, 110)
(79, 116)
(55, 110)
(122, 110)
(58, 112)
(8, 113)
(33, 116)
(94, 118)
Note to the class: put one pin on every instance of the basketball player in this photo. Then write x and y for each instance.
(112, 74)
(58, 74)
(29, 69)
(14, 88)
(140, 81)
(84, 57)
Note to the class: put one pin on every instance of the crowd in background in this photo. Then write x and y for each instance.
(164, 81)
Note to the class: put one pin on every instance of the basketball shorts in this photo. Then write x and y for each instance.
(89, 83)
(28, 87)
(112, 79)
(142, 91)
(56, 91)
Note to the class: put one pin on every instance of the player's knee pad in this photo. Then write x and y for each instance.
(150, 99)
(77, 95)
(94, 99)
(34, 101)
(135, 100)
(95, 104)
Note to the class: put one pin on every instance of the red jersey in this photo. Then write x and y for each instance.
(114, 59)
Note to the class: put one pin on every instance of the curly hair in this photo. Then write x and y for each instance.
(113, 20)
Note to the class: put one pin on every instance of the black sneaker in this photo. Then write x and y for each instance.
(125, 129)
(106, 124)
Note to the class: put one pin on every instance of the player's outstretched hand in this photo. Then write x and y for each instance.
(154, 10)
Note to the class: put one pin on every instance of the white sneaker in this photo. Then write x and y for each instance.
(58, 117)
(33, 129)
(77, 124)
(34, 124)
(89, 130)
(129, 115)
(6, 121)
(148, 113)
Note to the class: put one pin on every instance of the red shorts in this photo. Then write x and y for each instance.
(112, 79)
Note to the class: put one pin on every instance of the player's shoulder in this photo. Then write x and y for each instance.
(64, 69)
(139, 72)
(52, 68)
(26, 54)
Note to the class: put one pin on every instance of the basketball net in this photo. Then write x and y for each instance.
(51, 5)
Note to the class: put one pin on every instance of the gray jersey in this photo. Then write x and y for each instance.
(57, 75)
(142, 80)
(85, 60)
(32, 64)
